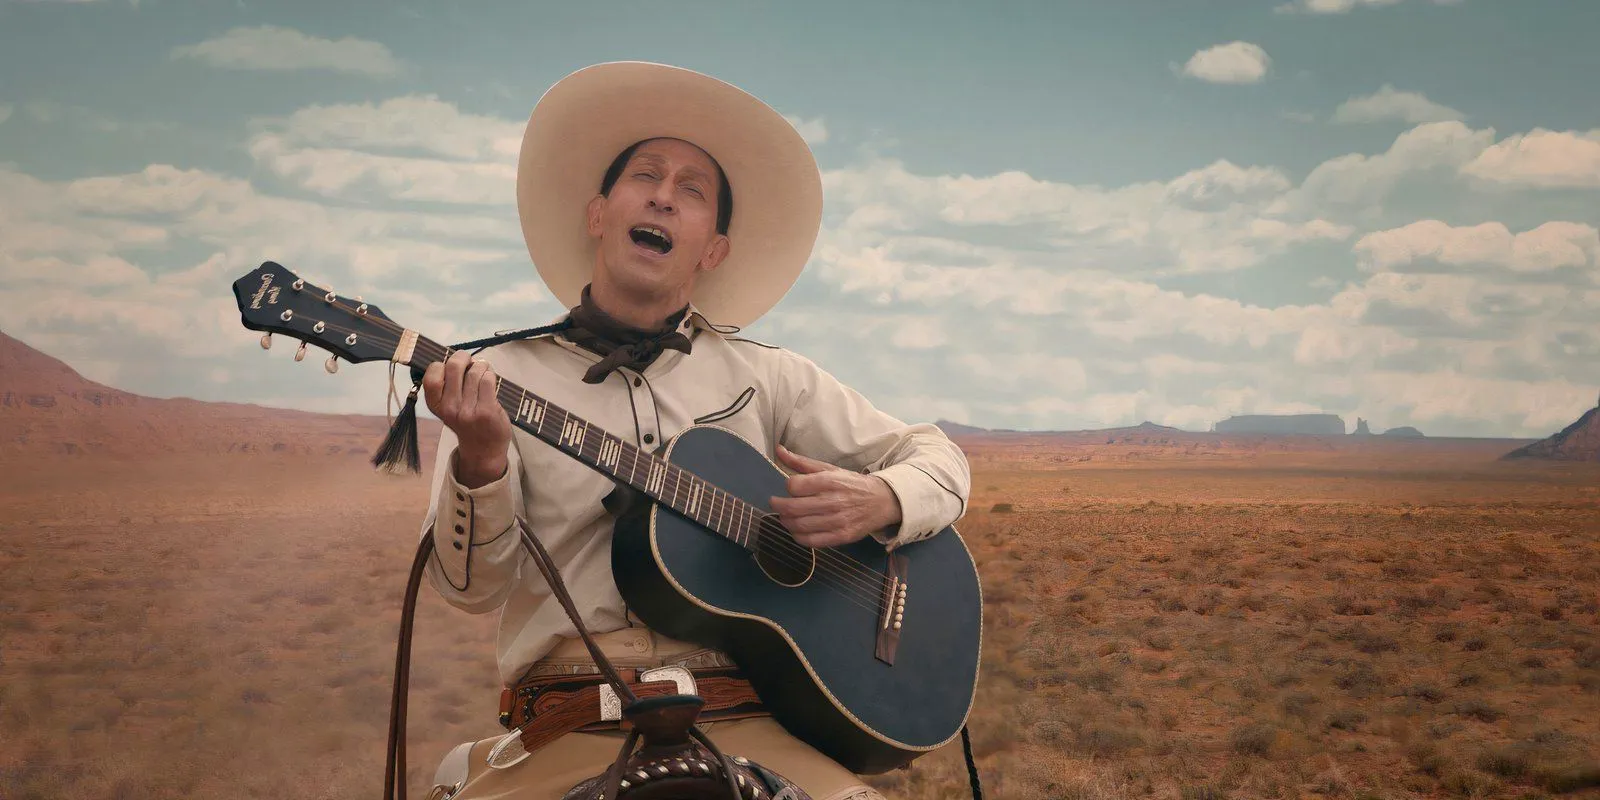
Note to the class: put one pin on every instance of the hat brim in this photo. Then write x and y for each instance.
(580, 125)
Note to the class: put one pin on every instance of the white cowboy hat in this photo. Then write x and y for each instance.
(587, 118)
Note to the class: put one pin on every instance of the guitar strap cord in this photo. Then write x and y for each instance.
(395, 757)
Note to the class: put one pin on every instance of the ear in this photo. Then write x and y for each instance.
(716, 253)
(593, 215)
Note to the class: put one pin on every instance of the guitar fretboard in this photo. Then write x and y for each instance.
(666, 483)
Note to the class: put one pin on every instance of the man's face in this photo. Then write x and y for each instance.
(657, 226)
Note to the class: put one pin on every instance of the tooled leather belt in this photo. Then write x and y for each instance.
(547, 707)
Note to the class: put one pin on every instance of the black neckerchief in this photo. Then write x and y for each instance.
(621, 344)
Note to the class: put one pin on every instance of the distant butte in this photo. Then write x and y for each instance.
(48, 409)
(1579, 441)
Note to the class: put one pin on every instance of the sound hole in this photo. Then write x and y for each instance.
(783, 559)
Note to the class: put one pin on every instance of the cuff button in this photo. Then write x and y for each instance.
(457, 545)
(460, 496)
(459, 529)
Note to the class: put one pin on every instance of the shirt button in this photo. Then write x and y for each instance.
(461, 497)
(649, 437)
(640, 645)
(637, 381)
(460, 529)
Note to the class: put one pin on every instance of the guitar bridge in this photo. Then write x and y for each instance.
(893, 601)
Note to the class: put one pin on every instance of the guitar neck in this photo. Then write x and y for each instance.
(664, 482)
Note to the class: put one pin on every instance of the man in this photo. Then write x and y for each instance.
(666, 209)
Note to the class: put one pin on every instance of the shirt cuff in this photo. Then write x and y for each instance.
(920, 504)
(474, 516)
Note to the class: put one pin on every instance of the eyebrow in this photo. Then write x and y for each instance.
(691, 171)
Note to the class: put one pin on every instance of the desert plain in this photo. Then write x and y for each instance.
(1168, 615)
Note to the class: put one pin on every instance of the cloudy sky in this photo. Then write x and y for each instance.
(1053, 215)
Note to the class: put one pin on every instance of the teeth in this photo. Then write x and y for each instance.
(656, 231)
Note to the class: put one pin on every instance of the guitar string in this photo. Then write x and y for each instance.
(831, 558)
(825, 558)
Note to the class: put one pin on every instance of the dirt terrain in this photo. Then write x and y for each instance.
(1169, 615)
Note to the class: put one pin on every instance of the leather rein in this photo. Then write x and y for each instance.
(395, 761)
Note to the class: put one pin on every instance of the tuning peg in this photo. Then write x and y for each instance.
(266, 341)
(333, 365)
(300, 352)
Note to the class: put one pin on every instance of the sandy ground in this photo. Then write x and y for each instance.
(1163, 621)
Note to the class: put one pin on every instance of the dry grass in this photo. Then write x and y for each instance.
(1335, 629)
(1278, 626)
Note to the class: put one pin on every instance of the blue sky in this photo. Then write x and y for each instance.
(1044, 215)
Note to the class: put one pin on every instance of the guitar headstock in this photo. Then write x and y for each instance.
(275, 300)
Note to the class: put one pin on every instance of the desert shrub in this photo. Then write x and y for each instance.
(1299, 704)
(1468, 784)
(1479, 710)
(1347, 719)
(1102, 741)
(1253, 740)
(1428, 760)
(1587, 657)
(1506, 761)
(1570, 777)
(1359, 680)
(1351, 606)
(1425, 691)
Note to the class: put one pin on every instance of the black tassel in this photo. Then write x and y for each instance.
(401, 440)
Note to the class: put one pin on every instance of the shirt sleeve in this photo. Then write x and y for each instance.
(820, 417)
(476, 541)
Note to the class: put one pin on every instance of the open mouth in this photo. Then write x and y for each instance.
(651, 238)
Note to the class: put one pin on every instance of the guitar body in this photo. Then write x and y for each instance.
(810, 649)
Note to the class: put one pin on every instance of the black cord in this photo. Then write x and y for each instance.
(972, 767)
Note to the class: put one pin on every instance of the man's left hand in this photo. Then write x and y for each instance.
(829, 506)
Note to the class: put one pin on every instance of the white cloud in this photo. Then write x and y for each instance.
(352, 173)
(1390, 104)
(414, 148)
(421, 123)
(1078, 283)
(1362, 180)
(814, 131)
(1208, 220)
(1542, 158)
(1223, 183)
(1234, 62)
(276, 48)
(1343, 6)
(1550, 246)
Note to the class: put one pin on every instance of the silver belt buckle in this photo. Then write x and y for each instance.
(611, 705)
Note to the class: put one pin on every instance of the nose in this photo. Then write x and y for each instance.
(662, 198)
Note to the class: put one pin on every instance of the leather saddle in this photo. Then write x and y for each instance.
(665, 756)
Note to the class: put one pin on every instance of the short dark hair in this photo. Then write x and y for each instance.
(724, 191)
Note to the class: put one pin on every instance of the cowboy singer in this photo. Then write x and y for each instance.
(666, 209)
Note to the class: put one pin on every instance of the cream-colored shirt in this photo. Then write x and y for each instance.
(764, 393)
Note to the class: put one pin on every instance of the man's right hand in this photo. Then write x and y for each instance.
(461, 392)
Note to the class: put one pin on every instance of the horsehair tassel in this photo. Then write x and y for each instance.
(401, 441)
(400, 444)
